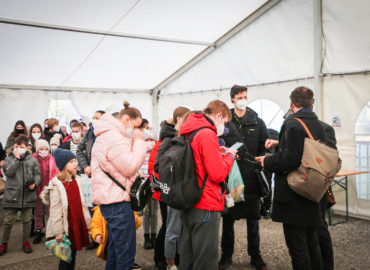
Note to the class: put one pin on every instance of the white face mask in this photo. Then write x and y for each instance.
(21, 151)
(147, 133)
(150, 145)
(53, 147)
(94, 121)
(76, 136)
(129, 132)
(43, 153)
(36, 136)
(56, 129)
(241, 104)
(220, 130)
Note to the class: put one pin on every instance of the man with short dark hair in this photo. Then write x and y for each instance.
(245, 127)
(300, 216)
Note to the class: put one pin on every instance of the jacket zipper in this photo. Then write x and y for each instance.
(22, 189)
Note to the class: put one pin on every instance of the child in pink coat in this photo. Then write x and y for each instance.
(48, 170)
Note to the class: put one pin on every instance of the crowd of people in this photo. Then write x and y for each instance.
(45, 167)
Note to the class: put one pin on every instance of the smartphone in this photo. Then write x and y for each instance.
(236, 145)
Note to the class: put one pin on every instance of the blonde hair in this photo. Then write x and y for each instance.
(64, 175)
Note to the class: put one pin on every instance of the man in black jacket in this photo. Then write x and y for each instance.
(248, 128)
(300, 216)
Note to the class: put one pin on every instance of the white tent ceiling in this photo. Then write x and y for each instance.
(151, 40)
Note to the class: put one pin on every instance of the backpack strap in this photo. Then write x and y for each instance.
(114, 180)
(305, 127)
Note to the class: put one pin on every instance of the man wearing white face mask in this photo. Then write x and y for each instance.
(245, 127)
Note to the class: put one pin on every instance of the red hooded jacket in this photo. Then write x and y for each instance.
(208, 158)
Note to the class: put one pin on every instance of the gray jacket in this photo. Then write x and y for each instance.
(19, 175)
(84, 148)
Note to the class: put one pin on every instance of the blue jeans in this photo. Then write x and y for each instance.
(121, 235)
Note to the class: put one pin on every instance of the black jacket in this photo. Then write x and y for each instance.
(2, 153)
(48, 135)
(289, 207)
(167, 132)
(250, 130)
(84, 149)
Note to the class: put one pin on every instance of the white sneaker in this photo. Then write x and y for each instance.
(173, 267)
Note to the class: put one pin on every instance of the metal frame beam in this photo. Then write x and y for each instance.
(317, 57)
(70, 89)
(99, 32)
(232, 32)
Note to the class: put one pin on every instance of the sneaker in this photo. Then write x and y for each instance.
(38, 237)
(172, 267)
(27, 247)
(258, 262)
(136, 266)
(3, 248)
(225, 262)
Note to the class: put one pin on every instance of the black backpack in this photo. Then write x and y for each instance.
(178, 182)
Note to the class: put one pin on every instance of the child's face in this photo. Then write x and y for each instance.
(72, 166)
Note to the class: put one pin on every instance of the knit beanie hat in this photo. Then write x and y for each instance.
(41, 143)
(62, 157)
(55, 140)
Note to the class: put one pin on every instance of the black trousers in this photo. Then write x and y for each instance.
(159, 242)
(326, 245)
(68, 266)
(303, 245)
(228, 236)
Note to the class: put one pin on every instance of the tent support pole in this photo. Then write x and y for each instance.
(236, 29)
(317, 54)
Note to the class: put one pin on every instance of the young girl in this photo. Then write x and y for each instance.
(69, 214)
(48, 170)
(36, 133)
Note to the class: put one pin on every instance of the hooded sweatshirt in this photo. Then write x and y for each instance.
(208, 159)
(118, 155)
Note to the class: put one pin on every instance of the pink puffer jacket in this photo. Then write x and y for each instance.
(117, 155)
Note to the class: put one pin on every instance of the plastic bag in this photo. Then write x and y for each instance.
(236, 184)
(60, 249)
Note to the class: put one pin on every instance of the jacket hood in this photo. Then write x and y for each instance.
(106, 123)
(196, 121)
(167, 130)
(303, 114)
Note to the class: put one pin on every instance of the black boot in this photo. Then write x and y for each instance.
(258, 262)
(147, 243)
(225, 262)
(153, 237)
(38, 237)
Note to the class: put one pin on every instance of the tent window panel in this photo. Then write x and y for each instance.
(362, 161)
(63, 110)
(270, 112)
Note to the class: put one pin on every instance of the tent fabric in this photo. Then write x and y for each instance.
(273, 55)
(276, 47)
(48, 57)
(29, 106)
